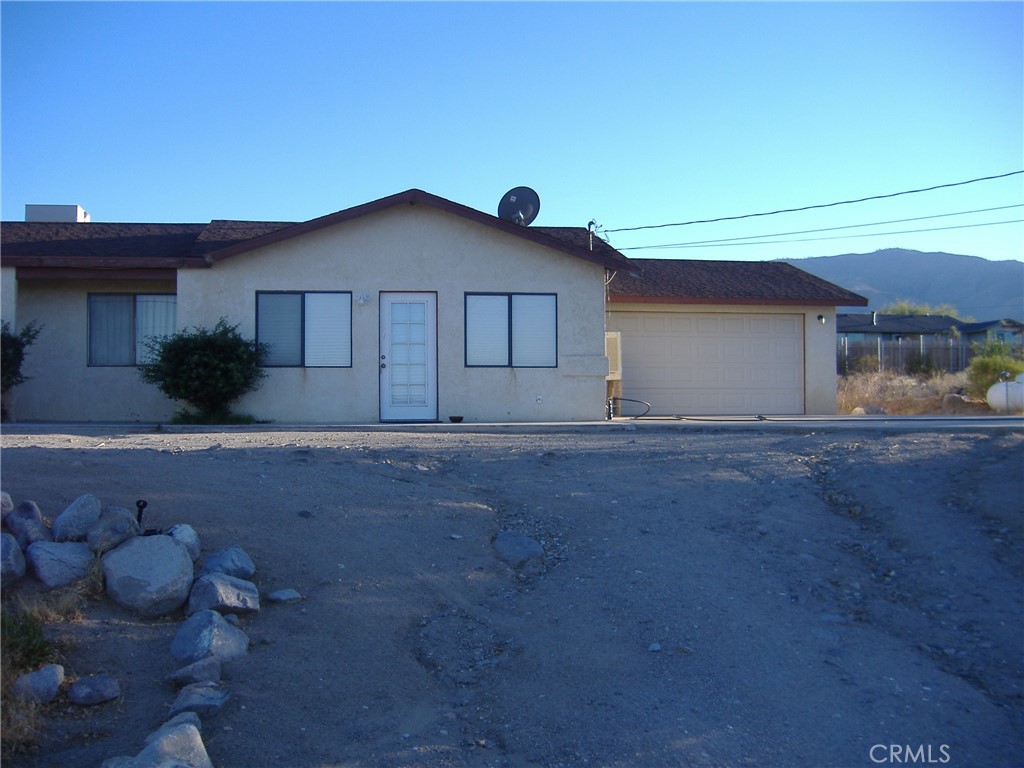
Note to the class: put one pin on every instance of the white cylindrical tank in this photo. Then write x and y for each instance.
(1007, 396)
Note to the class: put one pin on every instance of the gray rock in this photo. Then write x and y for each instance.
(284, 596)
(41, 686)
(231, 560)
(73, 523)
(27, 524)
(114, 526)
(12, 560)
(6, 505)
(186, 535)
(224, 594)
(150, 575)
(95, 689)
(180, 743)
(205, 699)
(185, 718)
(58, 563)
(206, 634)
(202, 671)
(517, 549)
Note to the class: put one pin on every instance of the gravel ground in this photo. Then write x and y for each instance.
(707, 597)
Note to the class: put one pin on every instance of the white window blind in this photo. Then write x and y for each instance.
(534, 331)
(328, 329)
(487, 330)
(120, 324)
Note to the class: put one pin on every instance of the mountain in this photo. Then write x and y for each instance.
(979, 289)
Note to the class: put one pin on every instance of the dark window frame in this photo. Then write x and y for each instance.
(511, 328)
(302, 327)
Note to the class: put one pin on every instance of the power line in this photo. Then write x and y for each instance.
(823, 205)
(813, 231)
(839, 237)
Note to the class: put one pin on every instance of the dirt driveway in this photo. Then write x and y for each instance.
(707, 597)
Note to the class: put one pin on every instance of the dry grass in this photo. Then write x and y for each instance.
(21, 722)
(900, 394)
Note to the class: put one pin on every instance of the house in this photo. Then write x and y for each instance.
(411, 308)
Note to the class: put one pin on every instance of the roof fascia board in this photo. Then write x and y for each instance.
(101, 262)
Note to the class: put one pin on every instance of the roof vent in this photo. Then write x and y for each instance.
(64, 213)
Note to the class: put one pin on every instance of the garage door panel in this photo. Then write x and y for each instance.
(714, 363)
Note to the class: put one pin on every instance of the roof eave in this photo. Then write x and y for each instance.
(619, 298)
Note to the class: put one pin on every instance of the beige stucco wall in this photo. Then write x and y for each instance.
(61, 386)
(819, 343)
(9, 295)
(414, 248)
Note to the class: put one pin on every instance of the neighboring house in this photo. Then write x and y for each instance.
(869, 341)
(410, 308)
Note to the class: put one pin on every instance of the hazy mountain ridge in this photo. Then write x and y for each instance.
(977, 288)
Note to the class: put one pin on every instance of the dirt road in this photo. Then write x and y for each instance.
(706, 598)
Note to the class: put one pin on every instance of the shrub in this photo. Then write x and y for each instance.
(991, 358)
(12, 349)
(207, 368)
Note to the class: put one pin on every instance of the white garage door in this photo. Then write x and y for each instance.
(714, 363)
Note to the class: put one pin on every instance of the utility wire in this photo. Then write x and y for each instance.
(841, 237)
(813, 231)
(823, 205)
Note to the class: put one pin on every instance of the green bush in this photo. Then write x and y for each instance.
(991, 358)
(206, 368)
(12, 352)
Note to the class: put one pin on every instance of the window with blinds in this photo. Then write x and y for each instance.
(518, 330)
(305, 329)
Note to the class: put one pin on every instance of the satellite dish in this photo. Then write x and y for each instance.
(520, 206)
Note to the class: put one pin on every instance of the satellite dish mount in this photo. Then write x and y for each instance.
(519, 206)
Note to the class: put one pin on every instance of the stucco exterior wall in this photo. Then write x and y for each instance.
(819, 343)
(416, 249)
(9, 296)
(62, 386)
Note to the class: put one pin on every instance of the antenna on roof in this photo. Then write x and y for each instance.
(520, 206)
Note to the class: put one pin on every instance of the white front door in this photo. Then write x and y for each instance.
(408, 357)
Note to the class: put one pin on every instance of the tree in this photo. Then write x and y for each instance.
(207, 368)
(12, 352)
(907, 307)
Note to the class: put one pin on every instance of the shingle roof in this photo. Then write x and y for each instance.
(727, 282)
(62, 244)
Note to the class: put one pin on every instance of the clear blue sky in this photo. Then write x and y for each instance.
(630, 114)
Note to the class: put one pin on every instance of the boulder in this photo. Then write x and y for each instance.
(27, 524)
(6, 505)
(12, 560)
(202, 671)
(185, 534)
(73, 523)
(231, 560)
(517, 549)
(205, 699)
(177, 745)
(114, 526)
(95, 689)
(41, 686)
(149, 575)
(59, 563)
(224, 594)
(207, 635)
